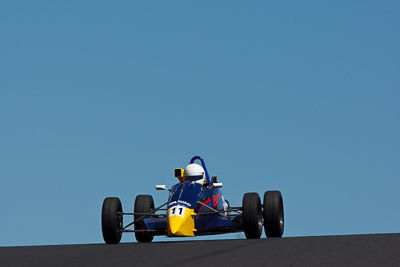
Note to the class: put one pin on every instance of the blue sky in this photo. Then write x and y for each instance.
(102, 98)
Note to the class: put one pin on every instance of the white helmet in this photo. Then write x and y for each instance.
(194, 172)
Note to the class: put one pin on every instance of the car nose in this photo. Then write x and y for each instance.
(180, 221)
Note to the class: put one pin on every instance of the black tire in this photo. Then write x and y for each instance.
(143, 204)
(252, 216)
(111, 222)
(273, 214)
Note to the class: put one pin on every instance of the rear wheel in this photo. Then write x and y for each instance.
(273, 214)
(252, 216)
(143, 204)
(111, 221)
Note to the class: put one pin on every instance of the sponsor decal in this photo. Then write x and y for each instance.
(216, 199)
(171, 204)
(184, 203)
(179, 202)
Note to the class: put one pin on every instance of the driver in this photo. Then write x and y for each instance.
(194, 172)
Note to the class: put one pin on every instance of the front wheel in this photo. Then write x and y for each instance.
(143, 205)
(273, 214)
(111, 221)
(252, 216)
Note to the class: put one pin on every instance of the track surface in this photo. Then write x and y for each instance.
(356, 250)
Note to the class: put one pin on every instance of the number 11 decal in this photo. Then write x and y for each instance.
(177, 210)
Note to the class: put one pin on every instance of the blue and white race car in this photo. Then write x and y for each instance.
(195, 207)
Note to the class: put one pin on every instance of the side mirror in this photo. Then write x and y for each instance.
(214, 179)
(217, 185)
(161, 187)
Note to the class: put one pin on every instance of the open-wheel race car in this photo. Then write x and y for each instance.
(195, 207)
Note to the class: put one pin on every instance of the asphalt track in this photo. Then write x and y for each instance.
(352, 250)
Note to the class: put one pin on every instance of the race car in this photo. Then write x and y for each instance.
(195, 207)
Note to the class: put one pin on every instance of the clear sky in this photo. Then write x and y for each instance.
(106, 98)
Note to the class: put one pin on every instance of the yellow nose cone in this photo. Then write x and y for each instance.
(180, 221)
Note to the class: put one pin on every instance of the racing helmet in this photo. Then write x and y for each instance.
(194, 172)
